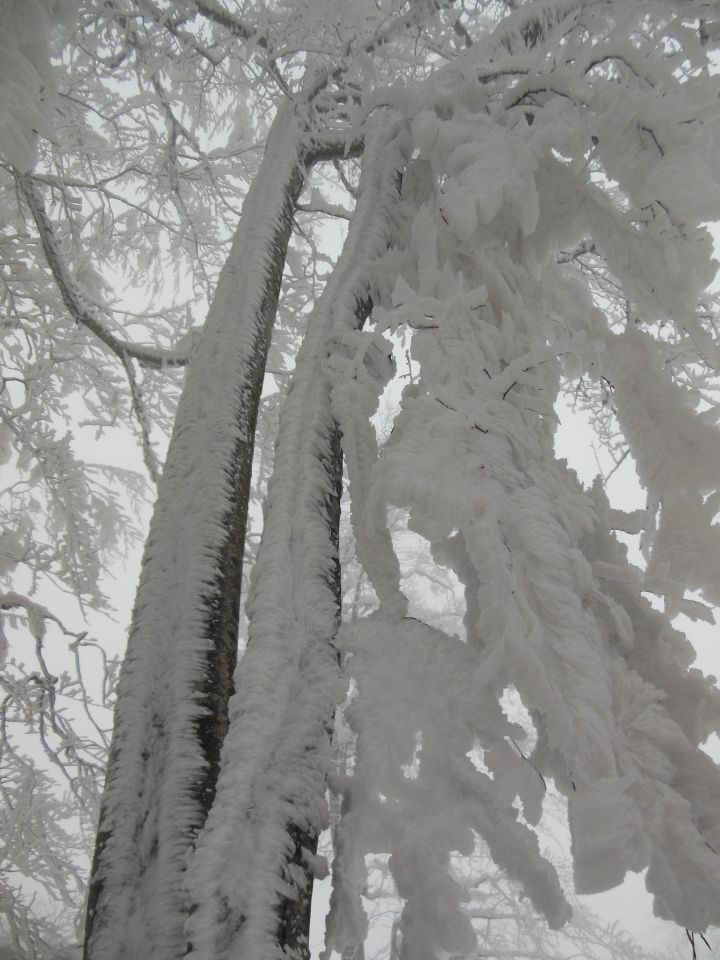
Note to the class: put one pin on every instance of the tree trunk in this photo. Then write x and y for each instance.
(171, 716)
(251, 876)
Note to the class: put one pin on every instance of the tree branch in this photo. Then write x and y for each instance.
(81, 309)
(326, 209)
(138, 406)
(213, 11)
(332, 145)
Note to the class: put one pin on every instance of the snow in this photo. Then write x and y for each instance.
(276, 753)
(678, 460)
(403, 673)
(507, 174)
(151, 805)
(553, 606)
(358, 380)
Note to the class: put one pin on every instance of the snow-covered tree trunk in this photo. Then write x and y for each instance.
(172, 708)
(251, 875)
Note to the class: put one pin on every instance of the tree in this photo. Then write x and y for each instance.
(506, 923)
(534, 182)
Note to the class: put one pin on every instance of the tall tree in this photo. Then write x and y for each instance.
(548, 231)
(170, 724)
(270, 804)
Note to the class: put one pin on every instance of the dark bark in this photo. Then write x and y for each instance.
(294, 914)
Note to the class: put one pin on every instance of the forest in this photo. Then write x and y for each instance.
(314, 313)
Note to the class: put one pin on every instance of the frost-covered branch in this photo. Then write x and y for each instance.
(236, 26)
(553, 607)
(53, 742)
(139, 409)
(81, 308)
(318, 204)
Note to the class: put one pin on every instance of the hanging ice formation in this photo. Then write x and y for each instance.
(603, 146)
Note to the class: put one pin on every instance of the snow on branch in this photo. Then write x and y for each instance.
(318, 204)
(508, 192)
(81, 308)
